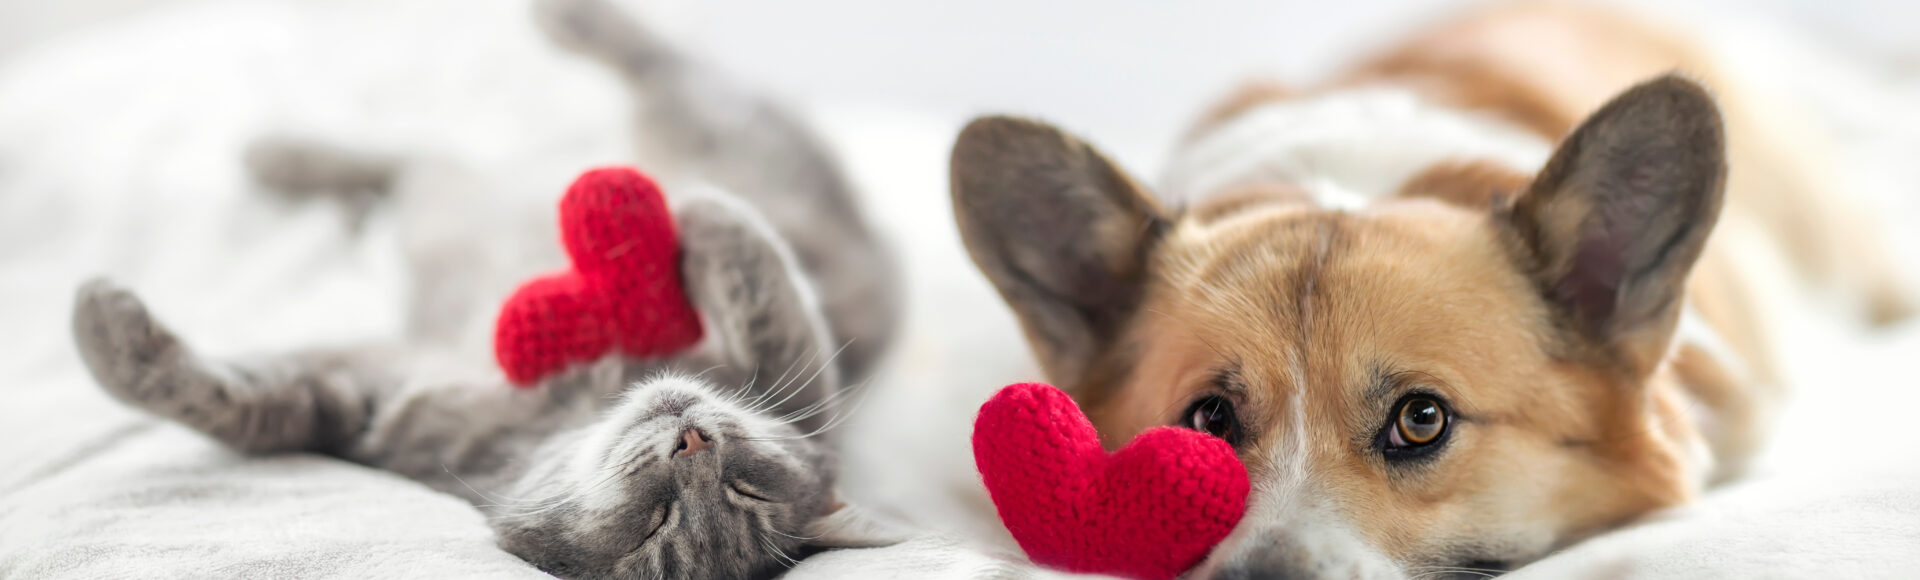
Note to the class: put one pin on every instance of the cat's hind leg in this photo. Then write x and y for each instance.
(306, 402)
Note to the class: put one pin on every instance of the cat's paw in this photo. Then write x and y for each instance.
(129, 353)
(730, 253)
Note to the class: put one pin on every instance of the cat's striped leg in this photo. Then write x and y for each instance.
(303, 402)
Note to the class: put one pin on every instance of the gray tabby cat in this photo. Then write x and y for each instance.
(714, 463)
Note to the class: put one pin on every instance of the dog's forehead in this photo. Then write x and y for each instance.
(1307, 274)
(1323, 303)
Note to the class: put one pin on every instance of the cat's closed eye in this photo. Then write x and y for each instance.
(659, 521)
(740, 491)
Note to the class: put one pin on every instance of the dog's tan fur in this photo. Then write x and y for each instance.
(1572, 414)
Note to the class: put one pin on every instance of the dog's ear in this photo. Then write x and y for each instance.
(1060, 230)
(1614, 222)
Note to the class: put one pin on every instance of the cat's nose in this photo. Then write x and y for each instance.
(691, 442)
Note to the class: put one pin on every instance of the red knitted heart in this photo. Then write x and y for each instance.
(622, 294)
(1151, 510)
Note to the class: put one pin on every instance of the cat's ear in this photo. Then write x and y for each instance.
(850, 526)
(748, 288)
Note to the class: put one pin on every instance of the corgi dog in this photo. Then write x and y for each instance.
(1498, 289)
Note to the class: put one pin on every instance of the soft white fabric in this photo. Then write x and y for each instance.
(119, 155)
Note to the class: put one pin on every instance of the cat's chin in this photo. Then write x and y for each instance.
(671, 400)
(675, 416)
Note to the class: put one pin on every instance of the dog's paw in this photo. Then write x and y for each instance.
(129, 353)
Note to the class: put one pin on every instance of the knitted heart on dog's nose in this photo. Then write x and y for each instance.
(623, 293)
(1151, 510)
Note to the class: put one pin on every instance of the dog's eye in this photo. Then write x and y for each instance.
(1419, 421)
(1213, 415)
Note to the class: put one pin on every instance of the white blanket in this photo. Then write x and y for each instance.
(119, 155)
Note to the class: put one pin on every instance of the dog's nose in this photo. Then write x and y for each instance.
(1304, 553)
(691, 442)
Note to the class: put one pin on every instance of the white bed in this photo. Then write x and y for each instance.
(119, 155)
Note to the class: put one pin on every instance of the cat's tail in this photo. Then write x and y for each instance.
(692, 122)
(601, 30)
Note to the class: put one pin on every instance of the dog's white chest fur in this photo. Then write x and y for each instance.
(1344, 147)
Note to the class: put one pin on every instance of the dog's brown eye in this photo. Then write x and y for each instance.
(1420, 421)
(1213, 415)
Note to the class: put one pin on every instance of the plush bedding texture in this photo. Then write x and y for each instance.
(120, 148)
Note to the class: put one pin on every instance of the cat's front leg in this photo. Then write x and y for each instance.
(304, 402)
(758, 306)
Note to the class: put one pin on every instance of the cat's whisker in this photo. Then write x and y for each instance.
(793, 383)
(560, 498)
(507, 502)
(823, 403)
(520, 502)
(842, 413)
(800, 538)
(817, 407)
(531, 508)
(469, 486)
(749, 399)
(703, 373)
(778, 553)
(786, 377)
(737, 397)
(708, 370)
(837, 421)
(779, 384)
(824, 365)
(830, 403)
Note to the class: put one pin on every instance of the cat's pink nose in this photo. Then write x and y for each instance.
(691, 442)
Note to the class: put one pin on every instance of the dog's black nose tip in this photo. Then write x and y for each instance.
(691, 441)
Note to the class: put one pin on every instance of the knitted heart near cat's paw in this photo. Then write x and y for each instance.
(622, 294)
(1153, 509)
